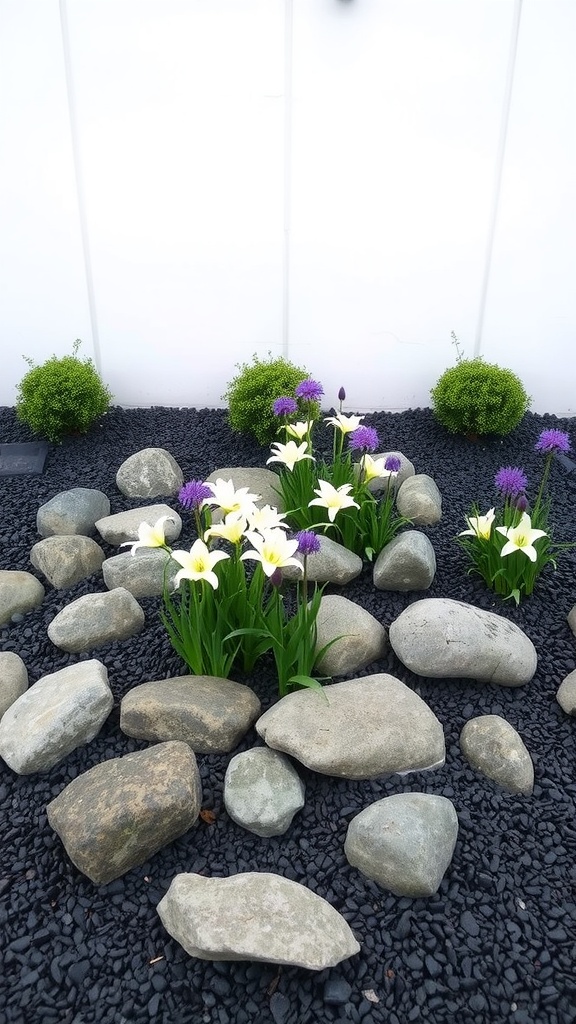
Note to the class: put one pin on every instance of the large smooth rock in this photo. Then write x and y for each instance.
(406, 470)
(65, 560)
(60, 712)
(332, 564)
(407, 563)
(419, 500)
(258, 480)
(149, 473)
(357, 729)
(255, 916)
(359, 638)
(123, 526)
(440, 638)
(142, 573)
(119, 813)
(13, 679)
(19, 593)
(96, 619)
(210, 714)
(494, 747)
(263, 791)
(72, 512)
(404, 842)
(566, 695)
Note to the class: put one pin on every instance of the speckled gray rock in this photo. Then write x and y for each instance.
(20, 592)
(60, 712)
(96, 619)
(72, 512)
(566, 695)
(440, 638)
(332, 564)
(149, 473)
(65, 560)
(255, 916)
(357, 729)
(119, 813)
(420, 500)
(13, 679)
(407, 563)
(262, 482)
(210, 714)
(142, 573)
(571, 617)
(494, 747)
(123, 526)
(263, 791)
(404, 842)
(362, 639)
(406, 470)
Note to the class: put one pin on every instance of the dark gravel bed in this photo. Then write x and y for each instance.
(495, 944)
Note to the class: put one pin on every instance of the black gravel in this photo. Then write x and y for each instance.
(495, 944)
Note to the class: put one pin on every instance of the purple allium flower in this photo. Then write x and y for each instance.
(521, 503)
(510, 481)
(193, 494)
(308, 542)
(341, 395)
(393, 464)
(364, 439)
(284, 406)
(551, 442)
(311, 390)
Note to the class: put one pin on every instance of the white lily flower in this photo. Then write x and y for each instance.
(149, 536)
(372, 469)
(521, 538)
(229, 499)
(289, 454)
(480, 526)
(273, 550)
(198, 564)
(346, 424)
(298, 430)
(333, 498)
(232, 528)
(266, 518)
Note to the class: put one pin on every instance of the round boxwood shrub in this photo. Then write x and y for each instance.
(475, 397)
(62, 396)
(251, 393)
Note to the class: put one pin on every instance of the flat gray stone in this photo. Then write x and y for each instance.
(263, 791)
(566, 695)
(493, 747)
(440, 638)
(72, 512)
(142, 573)
(407, 563)
(20, 592)
(13, 679)
(60, 712)
(66, 559)
(210, 714)
(149, 473)
(118, 814)
(255, 916)
(419, 500)
(332, 564)
(123, 526)
(357, 729)
(362, 639)
(96, 619)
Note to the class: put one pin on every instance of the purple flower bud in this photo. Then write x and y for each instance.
(193, 494)
(521, 502)
(284, 406)
(308, 542)
(341, 395)
(553, 442)
(276, 578)
(393, 464)
(310, 390)
(510, 481)
(364, 439)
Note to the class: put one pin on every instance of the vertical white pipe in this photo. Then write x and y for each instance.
(288, 36)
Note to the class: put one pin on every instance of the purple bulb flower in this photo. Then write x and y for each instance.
(341, 395)
(284, 406)
(363, 439)
(276, 578)
(310, 390)
(510, 481)
(521, 502)
(551, 442)
(393, 464)
(193, 494)
(308, 542)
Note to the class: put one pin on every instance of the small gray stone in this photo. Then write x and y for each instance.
(123, 526)
(419, 500)
(361, 638)
(566, 695)
(332, 564)
(96, 619)
(255, 916)
(407, 563)
(19, 592)
(494, 747)
(149, 473)
(72, 512)
(13, 679)
(379, 484)
(571, 617)
(262, 791)
(66, 559)
(142, 573)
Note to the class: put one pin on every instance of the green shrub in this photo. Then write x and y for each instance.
(475, 397)
(62, 396)
(252, 391)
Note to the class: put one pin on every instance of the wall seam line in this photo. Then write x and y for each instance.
(287, 176)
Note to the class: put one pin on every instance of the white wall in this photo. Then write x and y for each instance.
(183, 184)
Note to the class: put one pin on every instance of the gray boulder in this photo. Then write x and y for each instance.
(404, 842)
(493, 747)
(332, 564)
(262, 482)
(420, 500)
(19, 593)
(66, 559)
(123, 526)
(121, 812)
(566, 695)
(440, 638)
(406, 469)
(357, 729)
(96, 619)
(210, 714)
(362, 639)
(13, 679)
(142, 573)
(407, 563)
(72, 512)
(262, 791)
(255, 916)
(149, 473)
(571, 618)
(59, 713)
